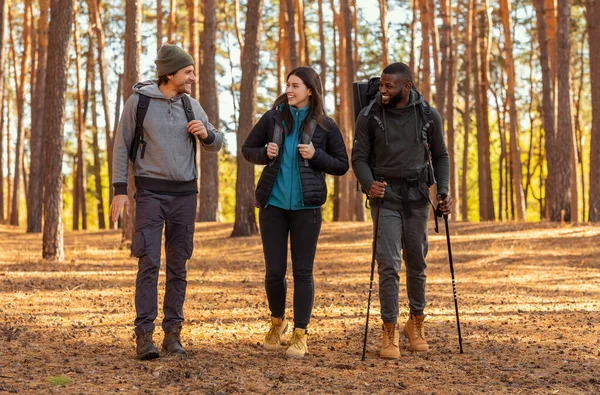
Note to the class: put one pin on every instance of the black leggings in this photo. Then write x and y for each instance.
(303, 227)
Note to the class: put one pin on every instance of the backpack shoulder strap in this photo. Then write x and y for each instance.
(138, 136)
(189, 114)
(307, 134)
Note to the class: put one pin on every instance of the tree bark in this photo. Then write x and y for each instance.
(323, 58)
(425, 80)
(245, 220)
(36, 168)
(548, 107)
(413, 47)
(209, 99)
(55, 97)
(385, 57)
(131, 75)
(593, 28)
(80, 185)
(515, 150)
(172, 21)
(467, 113)
(20, 93)
(96, 22)
(159, 24)
(562, 209)
(291, 30)
(450, 88)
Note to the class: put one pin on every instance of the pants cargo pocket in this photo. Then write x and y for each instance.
(138, 246)
(189, 241)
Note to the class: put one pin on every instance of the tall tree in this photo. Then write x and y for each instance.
(61, 22)
(99, 38)
(131, 75)
(20, 82)
(36, 146)
(548, 117)
(291, 30)
(593, 28)
(172, 20)
(97, 166)
(159, 24)
(564, 132)
(413, 48)
(322, 54)
(468, 36)
(2, 99)
(79, 203)
(383, 9)
(245, 221)
(450, 89)
(209, 98)
(515, 151)
(425, 80)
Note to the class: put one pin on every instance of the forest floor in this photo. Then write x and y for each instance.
(528, 294)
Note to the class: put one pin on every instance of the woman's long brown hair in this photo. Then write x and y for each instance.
(311, 79)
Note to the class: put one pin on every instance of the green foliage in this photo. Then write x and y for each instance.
(61, 380)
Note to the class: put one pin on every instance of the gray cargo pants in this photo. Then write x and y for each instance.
(177, 213)
(398, 231)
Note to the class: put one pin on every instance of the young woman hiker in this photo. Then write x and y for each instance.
(298, 144)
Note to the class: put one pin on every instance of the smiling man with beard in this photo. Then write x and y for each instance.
(391, 159)
(157, 133)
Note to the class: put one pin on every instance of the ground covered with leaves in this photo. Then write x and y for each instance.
(529, 296)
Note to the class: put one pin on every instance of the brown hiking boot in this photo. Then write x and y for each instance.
(172, 342)
(390, 341)
(273, 337)
(145, 349)
(298, 346)
(415, 333)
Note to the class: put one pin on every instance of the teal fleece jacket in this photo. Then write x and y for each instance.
(287, 191)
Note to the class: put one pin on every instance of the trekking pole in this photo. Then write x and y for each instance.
(376, 226)
(439, 213)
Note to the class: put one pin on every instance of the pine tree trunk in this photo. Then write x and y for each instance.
(20, 91)
(447, 39)
(55, 97)
(209, 167)
(36, 175)
(131, 75)
(80, 185)
(413, 47)
(593, 28)
(563, 169)
(96, 22)
(515, 151)
(172, 21)
(159, 24)
(548, 117)
(3, 13)
(245, 219)
(291, 30)
(468, 36)
(96, 146)
(301, 29)
(323, 58)
(425, 80)
(385, 57)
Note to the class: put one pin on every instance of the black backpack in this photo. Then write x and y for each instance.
(364, 101)
(138, 137)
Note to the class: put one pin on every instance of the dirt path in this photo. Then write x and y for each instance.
(529, 297)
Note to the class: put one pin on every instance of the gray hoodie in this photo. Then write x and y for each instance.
(168, 164)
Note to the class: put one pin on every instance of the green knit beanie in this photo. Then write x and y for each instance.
(171, 59)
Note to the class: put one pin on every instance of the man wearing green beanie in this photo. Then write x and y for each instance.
(157, 132)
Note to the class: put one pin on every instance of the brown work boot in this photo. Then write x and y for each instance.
(145, 349)
(390, 341)
(273, 337)
(172, 342)
(298, 346)
(415, 333)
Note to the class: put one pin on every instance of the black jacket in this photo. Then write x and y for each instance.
(330, 157)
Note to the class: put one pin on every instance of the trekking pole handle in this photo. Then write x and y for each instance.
(438, 211)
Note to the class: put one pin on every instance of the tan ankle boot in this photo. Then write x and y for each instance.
(273, 337)
(390, 342)
(298, 346)
(415, 333)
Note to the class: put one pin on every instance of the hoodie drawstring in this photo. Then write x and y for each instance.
(416, 127)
